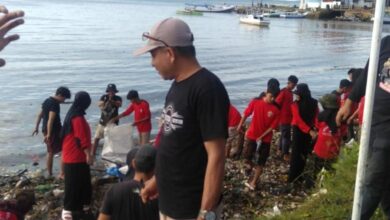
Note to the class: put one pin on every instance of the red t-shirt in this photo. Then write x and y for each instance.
(284, 100)
(265, 115)
(361, 111)
(327, 145)
(5, 215)
(141, 111)
(298, 121)
(234, 116)
(76, 141)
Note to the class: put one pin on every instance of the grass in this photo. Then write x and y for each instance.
(337, 202)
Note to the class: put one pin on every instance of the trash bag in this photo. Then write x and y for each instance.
(118, 141)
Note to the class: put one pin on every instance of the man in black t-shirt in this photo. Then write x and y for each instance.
(190, 159)
(51, 125)
(376, 183)
(108, 104)
(122, 200)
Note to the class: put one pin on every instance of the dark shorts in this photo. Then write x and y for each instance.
(54, 144)
(78, 189)
(250, 150)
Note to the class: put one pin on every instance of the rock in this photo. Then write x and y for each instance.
(58, 193)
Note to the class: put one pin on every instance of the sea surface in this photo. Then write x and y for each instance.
(87, 44)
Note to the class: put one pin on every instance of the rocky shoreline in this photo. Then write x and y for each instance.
(273, 196)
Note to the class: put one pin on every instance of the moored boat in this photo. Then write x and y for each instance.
(212, 8)
(189, 12)
(254, 20)
(292, 15)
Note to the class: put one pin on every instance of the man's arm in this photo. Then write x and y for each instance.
(50, 121)
(215, 172)
(8, 21)
(37, 122)
(103, 216)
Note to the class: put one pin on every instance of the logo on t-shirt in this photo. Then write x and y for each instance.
(270, 114)
(385, 77)
(172, 119)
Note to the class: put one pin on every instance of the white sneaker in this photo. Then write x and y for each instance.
(66, 215)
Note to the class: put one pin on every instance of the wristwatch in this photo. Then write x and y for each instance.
(207, 215)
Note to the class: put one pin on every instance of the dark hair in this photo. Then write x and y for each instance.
(63, 91)
(345, 83)
(350, 71)
(25, 200)
(293, 79)
(187, 51)
(355, 74)
(273, 90)
(273, 83)
(133, 94)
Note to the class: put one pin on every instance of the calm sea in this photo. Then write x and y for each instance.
(87, 44)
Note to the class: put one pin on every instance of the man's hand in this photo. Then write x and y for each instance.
(313, 134)
(149, 192)
(47, 138)
(8, 21)
(35, 132)
(90, 159)
(344, 112)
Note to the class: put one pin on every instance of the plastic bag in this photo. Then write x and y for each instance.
(118, 141)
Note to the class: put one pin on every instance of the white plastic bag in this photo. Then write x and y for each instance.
(118, 141)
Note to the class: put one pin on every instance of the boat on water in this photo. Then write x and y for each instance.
(211, 8)
(293, 15)
(257, 20)
(189, 12)
(271, 14)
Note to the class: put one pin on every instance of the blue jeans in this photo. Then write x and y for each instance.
(285, 138)
(376, 186)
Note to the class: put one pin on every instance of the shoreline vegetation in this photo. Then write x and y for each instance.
(336, 14)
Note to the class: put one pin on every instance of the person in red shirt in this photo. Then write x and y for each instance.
(233, 121)
(304, 114)
(76, 156)
(327, 146)
(142, 116)
(16, 209)
(284, 100)
(265, 120)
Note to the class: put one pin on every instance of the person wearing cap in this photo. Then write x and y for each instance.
(191, 155)
(142, 116)
(265, 119)
(109, 104)
(76, 156)
(8, 21)
(284, 100)
(123, 200)
(376, 184)
(51, 125)
(327, 146)
(304, 114)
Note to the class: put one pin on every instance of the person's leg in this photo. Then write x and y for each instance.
(263, 156)
(376, 176)
(296, 155)
(286, 141)
(248, 152)
(98, 135)
(49, 163)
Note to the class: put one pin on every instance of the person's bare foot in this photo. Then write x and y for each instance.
(61, 176)
(286, 157)
(250, 186)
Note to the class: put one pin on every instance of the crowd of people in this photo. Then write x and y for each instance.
(181, 176)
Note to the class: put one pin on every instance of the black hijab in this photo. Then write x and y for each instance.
(81, 102)
(307, 105)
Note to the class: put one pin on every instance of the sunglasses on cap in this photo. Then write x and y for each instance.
(146, 36)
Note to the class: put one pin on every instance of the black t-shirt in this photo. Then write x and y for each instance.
(110, 109)
(122, 202)
(51, 105)
(196, 110)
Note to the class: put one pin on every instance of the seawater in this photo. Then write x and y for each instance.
(87, 44)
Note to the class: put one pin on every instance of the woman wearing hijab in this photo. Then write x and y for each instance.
(76, 145)
(304, 113)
